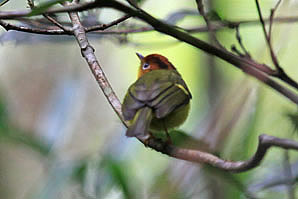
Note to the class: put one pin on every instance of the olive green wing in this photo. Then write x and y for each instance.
(161, 91)
(173, 98)
(137, 110)
(140, 124)
(130, 106)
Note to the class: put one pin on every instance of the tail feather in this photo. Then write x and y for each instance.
(139, 126)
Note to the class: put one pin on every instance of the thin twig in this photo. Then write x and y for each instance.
(272, 12)
(268, 36)
(235, 50)
(54, 21)
(106, 26)
(88, 53)
(242, 63)
(279, 71)
(248, 66)
(41, 31)
(265, 141)
(238, 37)
(49, 18)
(201, 10)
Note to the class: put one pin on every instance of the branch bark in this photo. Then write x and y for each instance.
(88, 53)
(248, 66)
(265, 141)
(244, 64)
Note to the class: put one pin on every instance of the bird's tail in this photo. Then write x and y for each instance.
(139, 126)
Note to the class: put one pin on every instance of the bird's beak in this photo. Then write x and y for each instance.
(141, 57)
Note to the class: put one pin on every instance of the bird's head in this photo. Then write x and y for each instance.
(153, 62)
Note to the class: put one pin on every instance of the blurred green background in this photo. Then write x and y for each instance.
(59, 137)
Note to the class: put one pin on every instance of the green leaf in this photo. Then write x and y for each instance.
(10, 133)
(14, 135)
(44, 6)
(232, 180)
(3, 113)
(117, 170)
(80, 172)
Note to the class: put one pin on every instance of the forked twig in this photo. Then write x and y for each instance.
(239, 39)
(279, 70)
(259, 71)
(265, 141)
(51, 19)
(201, 10)
(106, 26)
(267, 35)
(272, 12)
(42, 31)
(88, 53)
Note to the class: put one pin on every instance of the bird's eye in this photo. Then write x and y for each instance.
(146, 66)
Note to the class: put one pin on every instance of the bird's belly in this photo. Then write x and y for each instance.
(173, 120)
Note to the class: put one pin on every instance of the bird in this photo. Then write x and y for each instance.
(159, 100)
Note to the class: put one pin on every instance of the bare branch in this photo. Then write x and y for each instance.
(41, 31)
(106, 26)
(248, 66)
(88, 53)
(265, 141)
(200, 6)
(235, 50)
(279, 71)
(271, 19)
(70, 8)
(54, 21)
(238, 37)
(268, 36)
(49, 18)
(239, 62)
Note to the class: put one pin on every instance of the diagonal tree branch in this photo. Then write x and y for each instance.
(265, 141)
(241, 63)
(49, 18)
(106, 26)
(248, 66)
(201, 10)
(42, 31)
(88, 53)
(279, 70)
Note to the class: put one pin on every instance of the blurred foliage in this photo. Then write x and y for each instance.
(117, 170)
(81, 147)
(9, 133)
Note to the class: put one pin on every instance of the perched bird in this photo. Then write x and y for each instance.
(158, 100)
